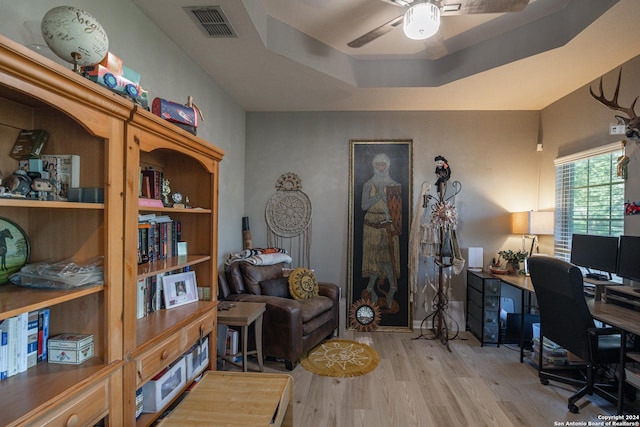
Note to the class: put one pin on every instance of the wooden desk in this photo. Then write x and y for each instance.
(236, 399)
(526, 290)
(243, 314)
(628, 321)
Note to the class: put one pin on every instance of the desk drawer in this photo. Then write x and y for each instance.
(492, 302)
(200, 327)
(492, 287)
(474, 296)
(158, 357)
(474, 282)
(86, 408)
(474, 311)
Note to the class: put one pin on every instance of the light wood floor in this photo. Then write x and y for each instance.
(420, 383)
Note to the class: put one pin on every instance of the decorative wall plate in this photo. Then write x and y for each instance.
(288, 213)
(364, 315)
(14, 248)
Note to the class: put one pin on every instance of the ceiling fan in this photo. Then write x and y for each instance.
(421, 20)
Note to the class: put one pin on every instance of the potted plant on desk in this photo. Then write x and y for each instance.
(513, 260)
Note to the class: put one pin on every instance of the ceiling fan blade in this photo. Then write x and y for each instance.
(377, 32)
(465, 7)
(435, 47)
(401, 3)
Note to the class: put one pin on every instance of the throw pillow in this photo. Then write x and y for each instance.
(276, 287)
(303, 283)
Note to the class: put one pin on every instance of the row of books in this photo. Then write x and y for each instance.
(23, 342)
(158, 237)
(151, 183)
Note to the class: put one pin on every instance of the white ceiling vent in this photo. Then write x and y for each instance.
(212, 21)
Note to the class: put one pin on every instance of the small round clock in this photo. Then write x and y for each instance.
(176, 197)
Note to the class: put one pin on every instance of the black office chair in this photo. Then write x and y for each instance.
(566, 320)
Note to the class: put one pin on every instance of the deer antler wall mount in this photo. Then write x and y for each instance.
(632, 121)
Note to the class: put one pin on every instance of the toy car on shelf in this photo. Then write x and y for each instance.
(114, 75)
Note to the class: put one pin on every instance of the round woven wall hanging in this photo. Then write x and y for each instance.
(288, 215)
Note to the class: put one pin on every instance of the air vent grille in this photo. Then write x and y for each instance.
(212, 21)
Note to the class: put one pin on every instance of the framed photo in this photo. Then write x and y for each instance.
(179, 289)
(380, 192)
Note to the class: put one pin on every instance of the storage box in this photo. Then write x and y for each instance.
(29, 144)
(70, 349)
(181, 115)
(158, 392)
(197, 359)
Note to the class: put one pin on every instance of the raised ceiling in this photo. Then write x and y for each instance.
(293, 55)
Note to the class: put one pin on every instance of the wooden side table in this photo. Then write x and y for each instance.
(243, 314)
(236, 399)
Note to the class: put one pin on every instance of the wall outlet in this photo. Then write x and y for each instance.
(617, 129)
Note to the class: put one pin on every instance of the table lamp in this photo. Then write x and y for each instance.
(530, 225)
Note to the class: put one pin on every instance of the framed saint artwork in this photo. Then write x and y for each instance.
(380, 192)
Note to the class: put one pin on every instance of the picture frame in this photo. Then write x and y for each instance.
(380, 206)
(179, 289)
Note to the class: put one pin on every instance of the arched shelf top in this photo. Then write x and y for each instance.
(151, 133)
(38, 81)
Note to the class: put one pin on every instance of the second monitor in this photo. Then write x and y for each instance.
(593, 252)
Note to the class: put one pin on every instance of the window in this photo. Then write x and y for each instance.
(589, 196)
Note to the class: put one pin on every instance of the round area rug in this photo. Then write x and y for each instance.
(341, 358)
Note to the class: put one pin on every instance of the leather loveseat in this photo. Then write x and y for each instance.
(291, 327)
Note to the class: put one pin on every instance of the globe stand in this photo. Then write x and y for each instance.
(76, 57)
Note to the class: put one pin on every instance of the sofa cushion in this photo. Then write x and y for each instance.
(254, 274)
(312, 307)
(303, 283)
(315, 312)
(276, 287)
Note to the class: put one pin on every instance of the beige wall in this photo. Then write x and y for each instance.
(491, 153)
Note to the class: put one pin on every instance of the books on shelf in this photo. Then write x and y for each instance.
(158, 237)
(32, 339)
(22, 338)
(150, 183)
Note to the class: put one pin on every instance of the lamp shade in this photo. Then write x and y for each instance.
(421, 21)
(532, 222)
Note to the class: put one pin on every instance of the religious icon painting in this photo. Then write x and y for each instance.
(380, 191)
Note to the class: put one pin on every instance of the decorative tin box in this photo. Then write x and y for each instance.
(70, 349)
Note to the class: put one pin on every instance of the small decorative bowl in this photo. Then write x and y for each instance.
(497, 270)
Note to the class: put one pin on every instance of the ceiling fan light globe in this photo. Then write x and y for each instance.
(421, 21)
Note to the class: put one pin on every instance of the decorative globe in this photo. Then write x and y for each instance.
(74, 35)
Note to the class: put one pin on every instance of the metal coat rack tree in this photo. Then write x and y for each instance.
(443, 221)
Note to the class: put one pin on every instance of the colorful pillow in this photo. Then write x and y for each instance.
(303, 283)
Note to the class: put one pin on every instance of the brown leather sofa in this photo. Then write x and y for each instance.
(290, 327)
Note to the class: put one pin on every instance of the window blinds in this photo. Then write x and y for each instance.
(589, 196)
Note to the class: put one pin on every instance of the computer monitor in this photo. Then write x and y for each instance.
(629, 258)
(595, 253)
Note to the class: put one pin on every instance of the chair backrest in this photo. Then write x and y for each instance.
(564, 314)
(244, 277)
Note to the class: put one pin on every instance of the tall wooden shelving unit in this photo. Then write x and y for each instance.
(191, 165)
(81, 119)
(114, 138)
